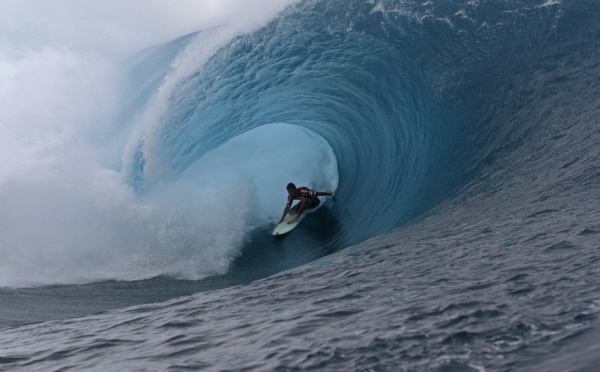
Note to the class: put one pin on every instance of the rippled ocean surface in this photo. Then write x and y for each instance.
(462, 138)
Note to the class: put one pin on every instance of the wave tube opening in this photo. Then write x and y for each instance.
(229, 199)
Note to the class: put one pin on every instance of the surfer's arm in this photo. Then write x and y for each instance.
(324, 193)
(285, 212)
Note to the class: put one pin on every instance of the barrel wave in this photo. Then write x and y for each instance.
(404, 105)
(363, 94)
(461, 138)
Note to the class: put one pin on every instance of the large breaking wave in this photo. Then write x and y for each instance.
(395, 105)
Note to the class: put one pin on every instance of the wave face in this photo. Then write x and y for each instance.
(354, 86)
(362, 94)
(462, 140)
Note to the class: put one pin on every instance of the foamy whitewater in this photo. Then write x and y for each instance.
(146, 149)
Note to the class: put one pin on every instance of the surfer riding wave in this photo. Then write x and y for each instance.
(308, 200)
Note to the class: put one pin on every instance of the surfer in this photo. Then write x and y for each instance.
(308, 200)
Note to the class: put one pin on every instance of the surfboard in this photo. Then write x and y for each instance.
(285, 227)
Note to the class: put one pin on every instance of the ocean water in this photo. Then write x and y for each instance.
(461, 138)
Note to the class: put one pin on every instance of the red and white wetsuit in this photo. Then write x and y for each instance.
(303, 192)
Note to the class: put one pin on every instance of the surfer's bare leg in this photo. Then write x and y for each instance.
(294, 210)
(302, 204)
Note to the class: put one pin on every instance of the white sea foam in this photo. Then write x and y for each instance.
(66, 214)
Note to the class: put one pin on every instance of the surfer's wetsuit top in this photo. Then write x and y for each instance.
(305, 192)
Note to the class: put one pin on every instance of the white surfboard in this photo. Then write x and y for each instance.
(285, 227)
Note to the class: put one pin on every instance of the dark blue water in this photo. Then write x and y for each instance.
(464, 234)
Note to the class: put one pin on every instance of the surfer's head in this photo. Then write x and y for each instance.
(291, 188)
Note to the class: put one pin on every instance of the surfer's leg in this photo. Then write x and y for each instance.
(304, 203)
(294, 210)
